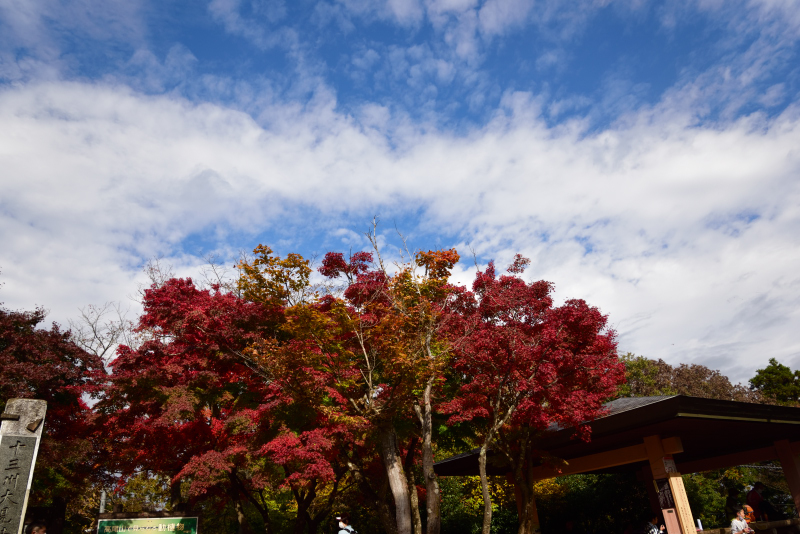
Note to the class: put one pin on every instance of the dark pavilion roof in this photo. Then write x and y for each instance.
(706, 427)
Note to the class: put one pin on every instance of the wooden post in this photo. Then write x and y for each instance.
(791, 469)
(20, 434)
(672, 495)
(682, 504)
(652, 494)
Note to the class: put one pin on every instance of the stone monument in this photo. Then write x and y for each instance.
(20, 434)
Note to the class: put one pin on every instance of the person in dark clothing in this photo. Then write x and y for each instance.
(762, 508)
(755, 500)
(652, 526)
(732, 504)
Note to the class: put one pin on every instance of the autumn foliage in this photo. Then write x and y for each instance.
(527, 365)
(44, 364)
(334, 393)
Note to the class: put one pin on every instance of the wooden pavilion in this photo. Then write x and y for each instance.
(662, 437)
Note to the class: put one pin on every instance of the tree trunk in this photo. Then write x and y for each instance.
(240, 517)
(175, 494)
(303, 503)
(315, 522)
(397, 482)
(376, 497)
(433, 500)
(241, 520)
(381, 508)
(487, 498)
(523, 479)
(408, 466)
(412, 486)
(387, 518)
(236, 487)
(324, 511)
(529, 522)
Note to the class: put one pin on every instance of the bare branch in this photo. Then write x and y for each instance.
(100, 329)
(215, 273)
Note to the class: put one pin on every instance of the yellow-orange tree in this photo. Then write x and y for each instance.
(368, 353)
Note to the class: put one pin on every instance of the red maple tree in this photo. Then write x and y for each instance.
(37, 363)
(184, 403)
(528, 365)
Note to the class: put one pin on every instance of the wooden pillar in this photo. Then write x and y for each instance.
(791, 469)
(674, 504)
(652, 494)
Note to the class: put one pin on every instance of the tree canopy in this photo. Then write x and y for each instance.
(273, 400)
(777, 382)
(645, 377)
(45, 364)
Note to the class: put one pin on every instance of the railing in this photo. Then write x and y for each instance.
(770, 527)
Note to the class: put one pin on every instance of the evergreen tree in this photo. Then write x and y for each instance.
(777, 382)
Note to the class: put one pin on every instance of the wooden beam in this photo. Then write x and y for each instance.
(729, 460)
(603, 460)
(672, 445)
(655, 456)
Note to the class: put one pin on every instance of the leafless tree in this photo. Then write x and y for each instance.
(215, 273)
(157, 272)
(100, 329)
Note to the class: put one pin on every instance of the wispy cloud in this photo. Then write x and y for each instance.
(260, 26)
(43, 38)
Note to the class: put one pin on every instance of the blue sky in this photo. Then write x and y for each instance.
(643, 154)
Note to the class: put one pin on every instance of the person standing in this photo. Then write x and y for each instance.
(732, 504)
(754, 499)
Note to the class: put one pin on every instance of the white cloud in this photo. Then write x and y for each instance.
(29, 21)
(498, 15)
(259, 31)
(685, 235)
(146, 72)
(406, 11)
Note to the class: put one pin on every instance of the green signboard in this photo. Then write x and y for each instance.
(178, 525)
